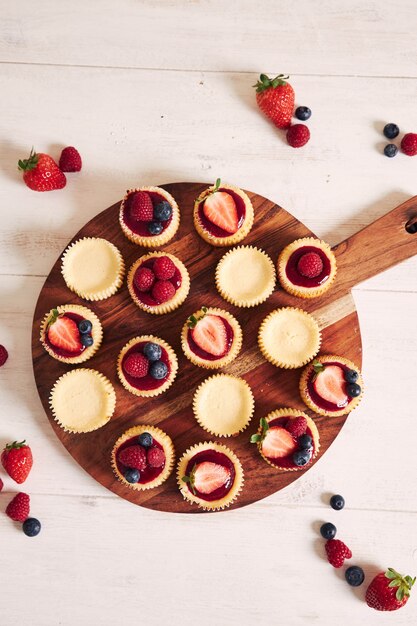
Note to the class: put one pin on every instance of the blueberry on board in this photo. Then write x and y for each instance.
(328, 530)
(354, 575)
(353, 390)
(31, 527)
(152, 351)
(162, 211)
(145, 440)
(305, 442)
(85, 327)
(302, 113)
(351, 376)
(337, 502)
(158, 370)
(301, 457)
(390, 150)
(155, 228)
(391, 131)
(132, 475)
(86, 340)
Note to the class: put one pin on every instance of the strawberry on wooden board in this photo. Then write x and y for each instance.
(63, 333)
(220, 209)
(330, 385)
(389, 590)
(275, 98)
(210, 476)
(41, 173)
(278, 443)
(209, 333)
(17, 460)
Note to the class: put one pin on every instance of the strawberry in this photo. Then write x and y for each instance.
(409, 144)
(220, 209)
(278, 443)
(330, 384)
(209, 333)
(208, 476)
(144, 278)
(275, 98)
(298, 135)
(163, 291)
(310, 265)
(136, 365)
(18, 509)
(163, 268)
(4, 355)
(156, 457)
(297, 426)
(63, 333)
(70, 160)
(337, 552)
(17, 460)
(389, 590)
(1, 484)
(133, 457)
(41, 173)
(141, 207)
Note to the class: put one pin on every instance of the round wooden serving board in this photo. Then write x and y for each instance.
(375, 248)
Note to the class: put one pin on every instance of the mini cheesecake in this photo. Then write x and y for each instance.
(223, 215)
(71, 333)
(143, 457)
(307, 267)
(210, 475)
(331, 385)
(149, 216)
(147, 366)
(287, 439)
(211, 338)
(158, 283)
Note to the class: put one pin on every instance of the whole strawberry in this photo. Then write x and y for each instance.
(41, 173)
(70, 160)
(17, 460)
(389, 591)
(275, 98)
(18, 509)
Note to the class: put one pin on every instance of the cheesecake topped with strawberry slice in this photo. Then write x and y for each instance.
(223, 215)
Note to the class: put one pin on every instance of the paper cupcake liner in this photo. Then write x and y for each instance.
(153, 241)
(167, 445)
(314, 433)
(256, 299)
(231, 496)
(180, 295)
(99, 294)
(245, 419)
(305, 396)
(97, 333)
(263, 346)
(234, 348)
(148, 393)
(107, 388)
(297, 290)
(235, 237)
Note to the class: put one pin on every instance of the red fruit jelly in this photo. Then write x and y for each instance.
(206, 355)
(212, 456)
(139, 227)
(147, 382)
(149, 473)
(294, 275)
(216, 231)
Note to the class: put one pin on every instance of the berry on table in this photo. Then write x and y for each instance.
(1, 484)
(4, 355)
(156, 457)
(302, 113)
(337, 502)
(41, 173)
(136, 365)
(158, 370)
(163, 290)
(409, 144)
(302, 457)
(141, 207)
(155, 228)
(145, 440)
(305, 442)
(354, 576)
(152, 351)
(351, 376)
(143, 279)
(390, 150)
(297, 426)
(31, 527)
(70, 160)
(18, 509)
(328, 530)
(391, 131)
(163, 268)
(86, 340)
(85, 327)
(310, 265)
(132, 475)
(162, 211)
(353, 390)
(275, 98)
(298, 135)
(389, 590)
(17, 460)
(337, 552)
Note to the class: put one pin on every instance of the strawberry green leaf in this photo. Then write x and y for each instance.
(257, 438)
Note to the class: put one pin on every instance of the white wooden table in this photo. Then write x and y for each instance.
(155, 92)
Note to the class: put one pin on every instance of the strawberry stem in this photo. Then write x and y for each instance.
(16, 445)
(209, 192)
(29, 164)
(403, 583)
(265, 82)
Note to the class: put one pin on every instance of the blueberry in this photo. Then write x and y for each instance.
(31, 527)
(302, 113)
(158, 370)
(351, 376)
(337, 502)
(301, 457)
(353, 390)
(152, 351)
(132, 475)
(305, 442)
(390, 150)
(86, 340)
(145, 440)
(328, 530)
(85, 326)
(355, 575)
(155, 228)
(391, 131)
(162, 211)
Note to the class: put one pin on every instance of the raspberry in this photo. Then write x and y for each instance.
(156, 457)
(297, 426)
(310, 265)
(141, 207)
(163, 291)
(337, 552)
(298, 135)
(143, 279)
(4, 355)
(409, 144)
(136, 365)
(163, 268)
(133, 457)
(18, 509)
(70, 160)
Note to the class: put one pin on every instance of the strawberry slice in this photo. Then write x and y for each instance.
(210, 476)
(210, 335)
(278, 443)
(220, 209)
(63, 333)
(330, 385)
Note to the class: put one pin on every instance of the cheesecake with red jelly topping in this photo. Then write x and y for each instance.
(331, 385)
(307, 267)
(158, 282)
(211, 338)
(223, 215)
(210, 475)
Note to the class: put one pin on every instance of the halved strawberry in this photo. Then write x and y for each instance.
(210, 476)
(63, 333)
(210, 335)
(330, 385)
(220, 209)
(278, 443)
